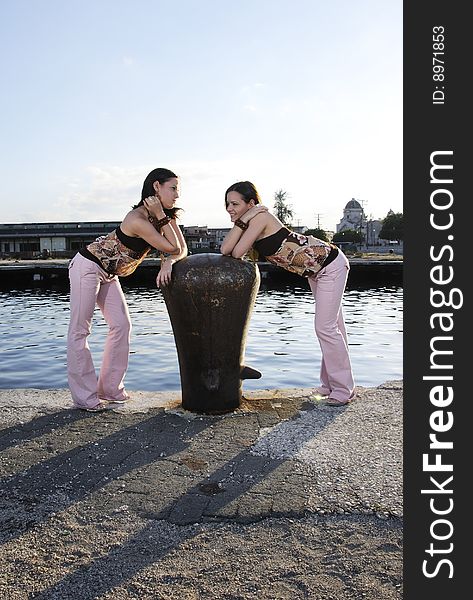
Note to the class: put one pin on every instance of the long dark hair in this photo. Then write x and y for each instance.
(161, 176)
(246, 189)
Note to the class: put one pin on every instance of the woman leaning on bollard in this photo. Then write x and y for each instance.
(325, 266)
(93, 274)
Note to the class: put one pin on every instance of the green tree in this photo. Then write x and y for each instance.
(393, 227)
(318, 233)
(281, 208)
(348, 235)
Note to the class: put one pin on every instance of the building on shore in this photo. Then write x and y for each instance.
(62, 240)
(28, 240)
(354, 218)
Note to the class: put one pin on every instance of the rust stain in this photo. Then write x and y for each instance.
(257, 405)
(195, 464)
(176, 403)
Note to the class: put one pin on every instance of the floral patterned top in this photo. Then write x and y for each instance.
(117, 253)
(305, 255)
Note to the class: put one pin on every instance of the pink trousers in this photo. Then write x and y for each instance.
(336, 375)
(91, 286)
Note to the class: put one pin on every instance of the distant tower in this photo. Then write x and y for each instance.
(353, 217)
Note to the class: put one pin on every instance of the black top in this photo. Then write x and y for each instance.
(136, 244)
(269, 245)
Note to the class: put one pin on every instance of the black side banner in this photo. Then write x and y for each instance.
(437, 262)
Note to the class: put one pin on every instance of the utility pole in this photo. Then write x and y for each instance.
(318, 215)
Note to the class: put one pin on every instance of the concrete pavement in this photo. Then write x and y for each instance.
(110, 502)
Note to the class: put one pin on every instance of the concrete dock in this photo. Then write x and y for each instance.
(55, 270)
(285, 498)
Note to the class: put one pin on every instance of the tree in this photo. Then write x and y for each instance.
(348, 235)
(393, 227)
(318, 233)
(281, 208)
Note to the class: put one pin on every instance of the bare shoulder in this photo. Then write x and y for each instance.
(272, 224)
(133, 222)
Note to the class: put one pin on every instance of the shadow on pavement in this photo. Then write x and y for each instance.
(82, 471)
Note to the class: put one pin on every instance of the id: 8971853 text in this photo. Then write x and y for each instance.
(438, 64)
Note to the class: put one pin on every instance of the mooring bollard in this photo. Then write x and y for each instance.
(210, 300)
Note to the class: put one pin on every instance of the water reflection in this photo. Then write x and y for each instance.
(281, 340)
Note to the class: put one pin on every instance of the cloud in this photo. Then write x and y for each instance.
(248, 88)
(107, 192)
(103, 192)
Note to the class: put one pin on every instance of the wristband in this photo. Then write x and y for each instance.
(239, 223)
(158, 223)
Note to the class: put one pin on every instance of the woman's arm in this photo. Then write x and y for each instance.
(165, 240)
(182, 243)
(136, 224)
(231, 240)
(164, 275)
(237, 242)
(155, 211)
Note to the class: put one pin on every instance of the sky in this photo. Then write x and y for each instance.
(303, 96)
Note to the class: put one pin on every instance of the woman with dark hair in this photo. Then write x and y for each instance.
(325, 266)
(93, 274)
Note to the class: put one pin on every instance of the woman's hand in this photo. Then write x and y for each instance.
(252, 212)
(165, 272)
(154, 206)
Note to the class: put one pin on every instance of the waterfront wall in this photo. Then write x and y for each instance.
(41, 272)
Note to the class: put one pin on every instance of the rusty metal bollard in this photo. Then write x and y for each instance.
(209, 301)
